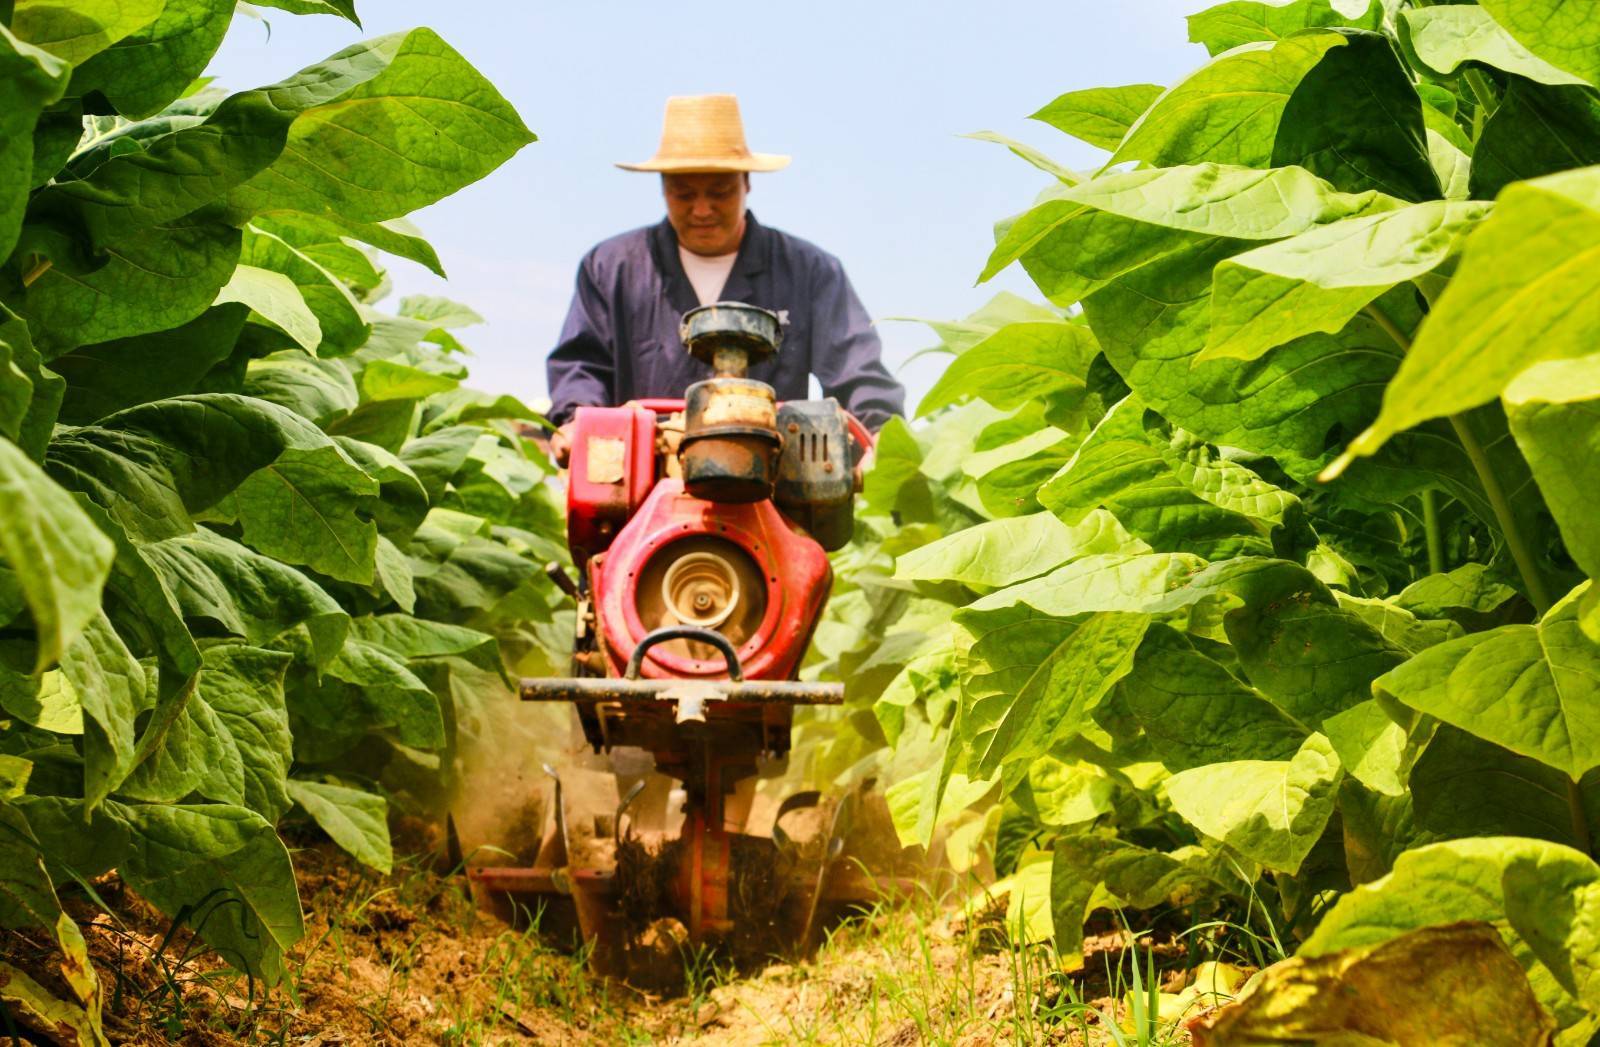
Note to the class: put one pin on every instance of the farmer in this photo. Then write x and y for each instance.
(620, 341)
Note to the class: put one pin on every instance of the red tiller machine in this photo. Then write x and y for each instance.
(700, 528)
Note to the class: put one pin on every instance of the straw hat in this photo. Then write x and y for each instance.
(703, 133)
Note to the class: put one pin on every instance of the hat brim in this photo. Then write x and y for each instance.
(755, 162)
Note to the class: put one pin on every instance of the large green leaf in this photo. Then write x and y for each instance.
(231, 743)
(27, 897)
(1069, 249)
(1528, 289)
(153, 465)
(1466, 590)
(1271, 811)
(1002, 552)
(402, 502)
(1534, 689)
(113, 690)
(1054, 704)
(365, 688)
(1554, 410)
(224, 588)
(345, 9)
(1093, 871)
(151, 280)
(1195, 712)
(105, 378)
(1296, 403)
(1562, 32)
(339, 323)
(274, 297)
(1216, 199)
(1171, 491)
(436, 122)
(141, 73)
(1462, 785)
(30, 79)
(16, 391)
(1084, 236)
(313, 234)
(73, 31)
(1356, 120)
(320, 391)
(1320, 279)
(222, 868)
(1227, 112)
(1099, 115)
(1443, 38)
(310, 506)
(57, 556)
(413, 638)
(1019, 362)
(356, 820)
(1062, 792)
(1536, 130)
(1436, 884)
(1100, 582)
(32, 430)
(1296, 645)
(1228, 25)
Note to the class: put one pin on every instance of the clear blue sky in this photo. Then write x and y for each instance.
(869, 97)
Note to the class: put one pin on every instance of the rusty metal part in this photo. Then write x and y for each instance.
(601, 689)
(734, 328)
(843, 816)
(622, 808)
(730, 446)
(558, 574)
(816, 484)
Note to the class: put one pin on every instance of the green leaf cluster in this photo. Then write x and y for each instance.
(1253, 575)
(256, 529)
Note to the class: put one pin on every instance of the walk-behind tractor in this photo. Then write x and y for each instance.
(700, 529)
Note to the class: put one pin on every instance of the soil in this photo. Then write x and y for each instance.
(408, 959)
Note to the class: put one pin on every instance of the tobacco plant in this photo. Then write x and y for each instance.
(260, 550)
(1280, 601)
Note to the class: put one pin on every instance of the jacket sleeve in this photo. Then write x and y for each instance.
(846, 354)
(581, 370)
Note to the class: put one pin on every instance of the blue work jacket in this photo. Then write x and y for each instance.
(620, 341)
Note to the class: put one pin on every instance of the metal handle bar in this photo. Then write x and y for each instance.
(685, 632)
(610, 689)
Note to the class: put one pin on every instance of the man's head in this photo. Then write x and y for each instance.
(707, 209)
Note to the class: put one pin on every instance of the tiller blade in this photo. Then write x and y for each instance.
(645, 893)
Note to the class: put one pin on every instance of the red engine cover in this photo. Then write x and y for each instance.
(795, 568)
(612, 468)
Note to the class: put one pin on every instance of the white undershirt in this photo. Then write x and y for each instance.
(708, 274)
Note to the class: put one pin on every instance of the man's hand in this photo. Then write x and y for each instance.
(561, 445)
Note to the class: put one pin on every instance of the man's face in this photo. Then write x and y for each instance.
(707, 210)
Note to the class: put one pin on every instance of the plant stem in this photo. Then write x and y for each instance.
(1580, 817)
(39, 268)
(1430, 527)
(1482, 91)
(1521, 554)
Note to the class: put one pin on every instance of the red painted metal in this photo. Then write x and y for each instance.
(795, 568)
(600, 495)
